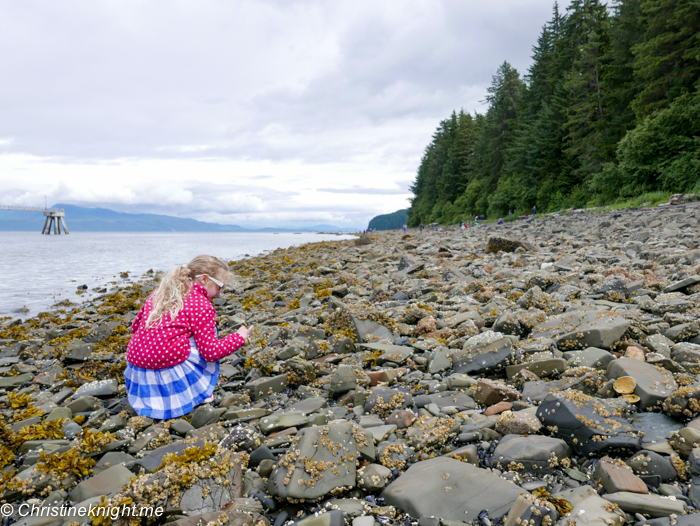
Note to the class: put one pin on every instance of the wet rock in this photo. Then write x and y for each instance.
(532, 454)
(618, 478)
(496, 244)
(653, 385)
(489, 392)
(517, 423)
(450, 489)
(529, 510)
(374, 477)
(322, 458)
(652, 468)
(652, 505)
(384, 401)
(108, 481)
(486, 358)
(578, 330)
(98, 389)
(586, 424)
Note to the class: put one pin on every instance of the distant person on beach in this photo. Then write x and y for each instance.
(500, 221)
(405, 226)
(174, 352)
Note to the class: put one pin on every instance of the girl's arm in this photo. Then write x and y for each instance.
(138, 320)
(141, 316)
(203, 320)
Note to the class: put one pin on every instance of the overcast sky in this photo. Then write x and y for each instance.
(256, 113)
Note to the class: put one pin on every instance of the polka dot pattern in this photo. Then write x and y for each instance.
(168, 343)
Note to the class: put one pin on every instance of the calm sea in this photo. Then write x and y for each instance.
(37, 270)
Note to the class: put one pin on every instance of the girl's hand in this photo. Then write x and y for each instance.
(244, 331)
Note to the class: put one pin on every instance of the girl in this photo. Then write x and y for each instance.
(173, 355)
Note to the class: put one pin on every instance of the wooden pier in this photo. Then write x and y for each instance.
(55, 218)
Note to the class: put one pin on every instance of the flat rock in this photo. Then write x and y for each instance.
(652, 505)
(452, 490)
(486, 358)
(108, 481)
(653, 385)
(581, 329)
(586, 424)
(331, 450)
(535, 454)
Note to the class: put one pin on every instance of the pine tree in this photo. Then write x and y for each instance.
(621, 87)
(667, 60)
(586, 130)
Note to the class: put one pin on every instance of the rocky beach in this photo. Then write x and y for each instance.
(527, 374)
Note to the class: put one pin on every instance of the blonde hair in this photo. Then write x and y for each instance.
(170, 294)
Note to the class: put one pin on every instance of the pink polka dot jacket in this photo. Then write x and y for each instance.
(168, 343)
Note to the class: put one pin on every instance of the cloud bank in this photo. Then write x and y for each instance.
(242, 112)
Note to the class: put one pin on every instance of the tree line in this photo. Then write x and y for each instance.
(608, 110)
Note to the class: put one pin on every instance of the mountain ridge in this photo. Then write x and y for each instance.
(97, 219)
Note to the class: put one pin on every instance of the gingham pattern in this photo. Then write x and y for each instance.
(172, 392)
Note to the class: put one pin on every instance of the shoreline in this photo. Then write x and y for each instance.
(426, 361)
(58, 265)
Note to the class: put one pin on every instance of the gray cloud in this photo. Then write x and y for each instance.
(357, 86)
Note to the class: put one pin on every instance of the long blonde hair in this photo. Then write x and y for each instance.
(170, 294)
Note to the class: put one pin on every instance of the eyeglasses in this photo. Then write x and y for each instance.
(220, 284)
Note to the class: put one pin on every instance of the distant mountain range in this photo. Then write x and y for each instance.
(81, 219)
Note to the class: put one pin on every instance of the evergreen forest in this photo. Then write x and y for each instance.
(389, 221)
(608, 111)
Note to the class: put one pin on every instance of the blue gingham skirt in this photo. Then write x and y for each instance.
(172, 392)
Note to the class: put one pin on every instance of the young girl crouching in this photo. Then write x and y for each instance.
(173, 355)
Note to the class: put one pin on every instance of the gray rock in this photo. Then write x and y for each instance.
(266, 386)
(384, 401)
(590, 357)
(374, 477)
(683, 520)
(595, 511)
(108, 481)
(365, 328)
(14, 381)
(586, 425)
(582, 329)
(84, 404)
(652, 505)
(330, 518)
(279, 421)
(659, 344)
(205, 415)
(450, 489)
(679, 285)
(153, 459)
(113, 458)
(653, 385)
(682, 332)
(331, 450)
(343, 380)
(527, 510)
(536, 454)
(98, 389)
(486, 358)
(78, 351)
(652, 468)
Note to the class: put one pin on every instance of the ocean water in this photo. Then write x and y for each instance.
(37, 271)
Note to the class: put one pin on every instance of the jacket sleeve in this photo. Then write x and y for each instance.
(203, 320)
(138, 320)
